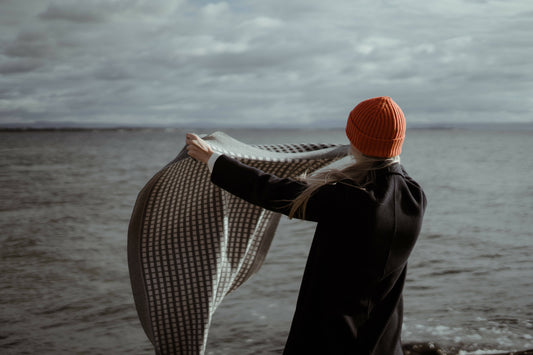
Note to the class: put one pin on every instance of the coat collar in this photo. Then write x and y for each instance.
(393, 169)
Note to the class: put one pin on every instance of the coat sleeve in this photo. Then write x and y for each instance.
(267, 190)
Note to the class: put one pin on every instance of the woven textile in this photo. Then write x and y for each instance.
(190, 243)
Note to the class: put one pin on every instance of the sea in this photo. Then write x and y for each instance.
(66, 197)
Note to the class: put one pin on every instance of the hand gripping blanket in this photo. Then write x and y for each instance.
(190, 243)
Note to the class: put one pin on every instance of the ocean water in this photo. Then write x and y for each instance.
(66, 200)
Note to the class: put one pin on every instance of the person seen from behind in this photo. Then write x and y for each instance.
(368, 215)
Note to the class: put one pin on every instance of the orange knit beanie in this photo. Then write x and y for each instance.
(376, 127)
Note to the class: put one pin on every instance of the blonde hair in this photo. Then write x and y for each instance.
(359, 175)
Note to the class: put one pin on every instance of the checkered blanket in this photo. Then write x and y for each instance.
(190, 243)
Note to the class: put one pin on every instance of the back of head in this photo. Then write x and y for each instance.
(376, 127)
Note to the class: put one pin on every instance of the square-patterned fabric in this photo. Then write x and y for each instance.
(190, 243)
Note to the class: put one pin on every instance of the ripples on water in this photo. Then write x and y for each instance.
(66, 199)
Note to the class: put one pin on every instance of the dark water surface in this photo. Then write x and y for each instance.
(66, 200)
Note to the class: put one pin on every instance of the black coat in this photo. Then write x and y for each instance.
(350, 300)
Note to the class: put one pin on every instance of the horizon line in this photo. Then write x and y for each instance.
(78, 126)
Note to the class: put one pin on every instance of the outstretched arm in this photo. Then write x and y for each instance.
(251, 184)
(257, 187)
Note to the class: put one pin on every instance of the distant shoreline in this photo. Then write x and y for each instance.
(515, 126)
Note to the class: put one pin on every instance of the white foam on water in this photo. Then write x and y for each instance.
(479, 352)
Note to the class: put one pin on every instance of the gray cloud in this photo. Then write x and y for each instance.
(29, 45)
(263, 63)
(76, 13)
(18, 66)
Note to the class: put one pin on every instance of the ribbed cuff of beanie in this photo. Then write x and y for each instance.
(371, 146)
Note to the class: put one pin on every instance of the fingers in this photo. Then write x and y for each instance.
(197, 148)
(189, 140)
(193, 139)
(193, 152)
(189, 137)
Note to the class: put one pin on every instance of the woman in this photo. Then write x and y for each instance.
(369, 216)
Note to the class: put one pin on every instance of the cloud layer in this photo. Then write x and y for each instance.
(263, 63)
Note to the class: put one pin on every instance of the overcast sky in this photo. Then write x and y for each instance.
(263, 62)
